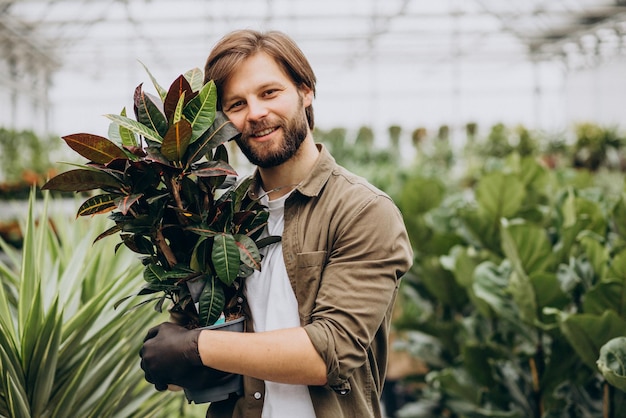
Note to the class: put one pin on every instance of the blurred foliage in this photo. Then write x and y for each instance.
(25, 157)
(64, 350)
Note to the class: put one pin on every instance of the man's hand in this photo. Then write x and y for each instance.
(170, 356)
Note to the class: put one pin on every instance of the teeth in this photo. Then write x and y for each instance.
(264, 132)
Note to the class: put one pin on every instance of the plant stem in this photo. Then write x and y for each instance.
(175, 185)
(165, 249)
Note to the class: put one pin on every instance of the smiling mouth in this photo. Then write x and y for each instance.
(264, 132)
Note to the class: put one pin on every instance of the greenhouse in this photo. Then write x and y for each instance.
(498, 129)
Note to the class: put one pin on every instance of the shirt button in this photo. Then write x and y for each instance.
(257, 395)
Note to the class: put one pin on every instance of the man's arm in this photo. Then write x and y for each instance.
(284, 356)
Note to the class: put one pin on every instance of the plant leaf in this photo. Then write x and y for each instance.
(248, 251)
(136, 127)
(148, 113)
(178, 112)
(81, 180)
(95, 148)
(160, 90)
(211, 303)
(225, 257)
(222, 130)
(176, 140)
(200, 111)
(500, 195)
(179, 89)
(213, 168)
(101, 203)
(195, 77)
(612, 362)
(127, 136)
(124, 203)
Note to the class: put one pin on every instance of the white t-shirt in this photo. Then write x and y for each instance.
(274, 306)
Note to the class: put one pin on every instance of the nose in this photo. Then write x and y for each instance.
(256, 110)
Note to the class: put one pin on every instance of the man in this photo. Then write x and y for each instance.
(321, 305)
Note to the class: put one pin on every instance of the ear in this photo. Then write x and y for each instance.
(307, 96)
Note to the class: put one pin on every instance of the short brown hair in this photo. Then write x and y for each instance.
(238, 45)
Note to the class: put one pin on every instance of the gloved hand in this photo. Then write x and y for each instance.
(170, 356)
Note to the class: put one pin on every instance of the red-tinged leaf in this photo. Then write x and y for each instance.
(126, 202)
(176, 140)
(113, 230)
(178, 87)
(248, 251)
(148, 113)
(81, 180)
(202, 230)
(95, 148)
(213, 168)
(98, 204)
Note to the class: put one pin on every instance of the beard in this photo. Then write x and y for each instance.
(294, 130)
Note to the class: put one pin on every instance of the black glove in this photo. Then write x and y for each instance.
(170, 356)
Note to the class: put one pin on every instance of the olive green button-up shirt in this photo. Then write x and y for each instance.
(345, 248)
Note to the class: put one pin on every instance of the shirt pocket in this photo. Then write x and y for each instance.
(309, 268)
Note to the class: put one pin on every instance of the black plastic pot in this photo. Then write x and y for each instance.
(229, 384)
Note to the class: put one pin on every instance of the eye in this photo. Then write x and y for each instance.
(270, 93)
(235, 106)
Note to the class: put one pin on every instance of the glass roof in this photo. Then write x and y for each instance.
(378, 62)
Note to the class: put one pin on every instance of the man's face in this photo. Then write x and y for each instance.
(268, 109)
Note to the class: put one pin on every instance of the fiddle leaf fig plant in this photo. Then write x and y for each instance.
(165, 180)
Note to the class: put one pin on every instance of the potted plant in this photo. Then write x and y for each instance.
(165, 181)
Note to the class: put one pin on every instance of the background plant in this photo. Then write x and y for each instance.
(514, 291)
(64, 350)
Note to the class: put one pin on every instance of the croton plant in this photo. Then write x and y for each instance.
(165, 181)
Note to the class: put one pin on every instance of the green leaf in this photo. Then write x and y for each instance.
(588, 333)
(178, 111)
(160, 90)
(597, 255)
(98, 204)
(527, 246)
(225, 257)
(127, 137)
(211, 303)
(618, 266)
(619, 217)
(136, 127)
(29, 290)
(500, 195)
(45, 357)
(548, 291)
(612, 362)
(606, 295)
(81, 180)
(200, 111)
(221, 130)
(176, 140)
(195, 77)
(148, 113)
(95, 148)
(523, 294)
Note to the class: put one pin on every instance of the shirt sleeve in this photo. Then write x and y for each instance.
(370, 253)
